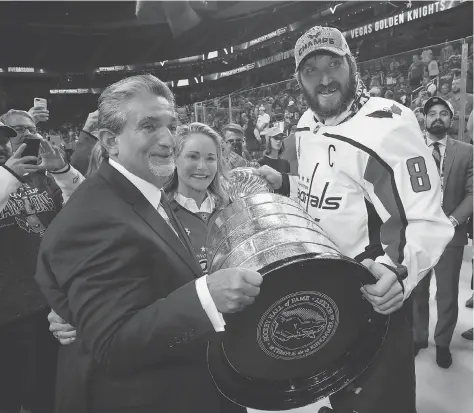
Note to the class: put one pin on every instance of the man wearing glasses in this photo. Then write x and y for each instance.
(233, 147)
(32, 193)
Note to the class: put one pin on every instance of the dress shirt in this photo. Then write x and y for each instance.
(207, 206)
(153, 195)
(442, 146)
(442, 149)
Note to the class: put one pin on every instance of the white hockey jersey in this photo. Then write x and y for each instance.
(378, 155)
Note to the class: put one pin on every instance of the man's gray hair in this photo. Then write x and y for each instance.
(112, 113)
(6, 117)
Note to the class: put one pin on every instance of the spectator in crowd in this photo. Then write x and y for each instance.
(389, 95)
(454, 61)
(376, 91)
(275, 147)
(86, 141)
(293, 116)
(232, 146)
(5, 145)
(446, 52)
(445, 91)
(289, 150)
(263, 123)
(143, 315)
(31, 195)
(456, 102)
(423, 96)
(251, 142)
(425, 82)
(433, 69)
(415, 72)
(420, 117)
(454, 162)
(446, 75)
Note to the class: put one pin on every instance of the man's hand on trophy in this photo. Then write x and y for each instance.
(232, 289)
(386, 295)
(273, 177)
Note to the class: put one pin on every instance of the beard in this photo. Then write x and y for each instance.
(437, 129)
(347, 94)
(162, 171)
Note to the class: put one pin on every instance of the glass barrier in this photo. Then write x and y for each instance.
(409, 78)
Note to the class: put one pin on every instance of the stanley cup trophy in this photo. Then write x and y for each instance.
(309, 333)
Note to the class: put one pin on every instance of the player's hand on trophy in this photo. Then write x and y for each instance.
(65, 333)
(232, 289)
(273, 177)
(386, 295)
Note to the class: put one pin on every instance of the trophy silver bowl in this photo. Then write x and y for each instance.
(244, 182)
(309, 332)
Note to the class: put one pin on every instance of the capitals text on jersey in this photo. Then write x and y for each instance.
(320, 202)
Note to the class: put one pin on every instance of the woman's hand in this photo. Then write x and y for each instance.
(65, 333)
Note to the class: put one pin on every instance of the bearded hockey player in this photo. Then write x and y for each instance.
(368, 179)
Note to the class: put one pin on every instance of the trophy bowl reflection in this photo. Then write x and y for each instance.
(309, 333)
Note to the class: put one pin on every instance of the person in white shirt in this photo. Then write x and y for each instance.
(368, 179)
(118, 265)
(263, 123)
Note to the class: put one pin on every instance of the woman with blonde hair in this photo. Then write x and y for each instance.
(196, 189)
(98, 154)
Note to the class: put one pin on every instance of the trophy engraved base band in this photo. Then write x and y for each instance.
(309, 333)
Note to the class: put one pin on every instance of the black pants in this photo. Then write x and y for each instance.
(389, 384)
(28, 353)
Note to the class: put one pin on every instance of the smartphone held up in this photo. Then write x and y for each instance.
(40, 103)
(32, 148)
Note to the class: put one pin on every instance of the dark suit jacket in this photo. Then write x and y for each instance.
(111, 266)
(457, 185)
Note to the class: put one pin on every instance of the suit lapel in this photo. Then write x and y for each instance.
(451, 149)
(149, 214)
(180, 230)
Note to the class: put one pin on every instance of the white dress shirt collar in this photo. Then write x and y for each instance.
(190, 204)
(442, 142)
(149, 191)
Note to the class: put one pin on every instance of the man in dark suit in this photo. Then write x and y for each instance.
(454, 161)
(118, 266)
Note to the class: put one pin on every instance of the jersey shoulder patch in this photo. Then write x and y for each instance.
(386, 112)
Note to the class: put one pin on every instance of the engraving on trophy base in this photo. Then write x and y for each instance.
(298, 325)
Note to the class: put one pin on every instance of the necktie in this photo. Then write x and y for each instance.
(173, 223)
(437, 155)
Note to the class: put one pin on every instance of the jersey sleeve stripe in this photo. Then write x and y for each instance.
(382, 177)
(305, 128)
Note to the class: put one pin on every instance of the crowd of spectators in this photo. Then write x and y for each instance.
(410, 79)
